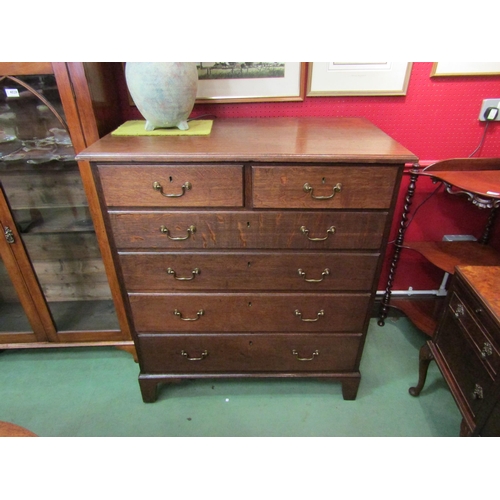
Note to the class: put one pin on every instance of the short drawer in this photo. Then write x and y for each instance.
(172, 185)
(471, 315)
(344, 230)
(470, 375)
(249, 312)
(248, 353)
(223, 271)
(329, 187)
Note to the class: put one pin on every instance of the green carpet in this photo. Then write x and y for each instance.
(94, 392)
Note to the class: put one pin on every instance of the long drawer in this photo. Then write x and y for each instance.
(172, 185)
(327, 187)
(248, 353)
(298, 271)
(249, 312)
(248, 230)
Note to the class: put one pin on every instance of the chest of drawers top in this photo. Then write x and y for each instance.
(329, 140)
(485, 281)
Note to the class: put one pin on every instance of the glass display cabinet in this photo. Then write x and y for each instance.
(57, 284)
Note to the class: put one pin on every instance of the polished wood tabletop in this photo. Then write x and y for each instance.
(261, 139)
(485, 280)
(481, 182)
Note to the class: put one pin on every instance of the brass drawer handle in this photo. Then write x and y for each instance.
(199, 314)
(478, 392)
(204, 354)
(190, 230)
(295, 353)
(326, 272)
(299, 314)
(305, 231)
(194, 272)
(309, 189)
(487, 350)
(460, 311)
(185, 187)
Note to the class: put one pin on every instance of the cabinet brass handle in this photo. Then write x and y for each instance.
(460, 311)
(478, 392)
(302, 273)
(194, 272)
(185, 187)
(199, 314)
(9, 235)
(190, 230)
(309, 189)
(204, 354)
(315, 353)
(305, 231)
(487, 350)
(319, 314)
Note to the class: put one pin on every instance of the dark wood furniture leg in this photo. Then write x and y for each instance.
(384, 306)
(464, 429)
(350, 387)
(425, 357)
(149, 388)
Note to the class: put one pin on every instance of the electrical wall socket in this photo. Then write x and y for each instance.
(489, 103)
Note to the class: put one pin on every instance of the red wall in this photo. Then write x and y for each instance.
(437, 119)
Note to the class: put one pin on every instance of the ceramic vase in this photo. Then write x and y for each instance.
(164, 92)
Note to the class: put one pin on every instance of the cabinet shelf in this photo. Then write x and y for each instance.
(424, 313)
(446, 255)
(89, 315)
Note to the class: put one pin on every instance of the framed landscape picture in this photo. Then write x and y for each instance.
(250, 81)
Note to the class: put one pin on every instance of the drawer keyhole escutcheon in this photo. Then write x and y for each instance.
(204, 354)
(185, 187)
(194, 272)
(307, 188)
(190, 230)
(478, 392)
(199, 314)
(302, 273)
(296, 354)
(487, 350)
(305, 232)
(310, 320)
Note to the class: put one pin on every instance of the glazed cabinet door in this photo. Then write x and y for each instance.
(53, 254)
(20, 320)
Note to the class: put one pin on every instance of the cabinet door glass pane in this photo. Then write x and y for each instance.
(13, 318)
(43, 186)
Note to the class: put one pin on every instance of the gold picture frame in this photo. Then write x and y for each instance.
(465, 69)
(358, 78)
(238, 85)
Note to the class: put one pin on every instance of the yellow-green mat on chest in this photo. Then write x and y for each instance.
(136, 127)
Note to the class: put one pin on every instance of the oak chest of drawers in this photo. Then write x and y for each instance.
(254, 251)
